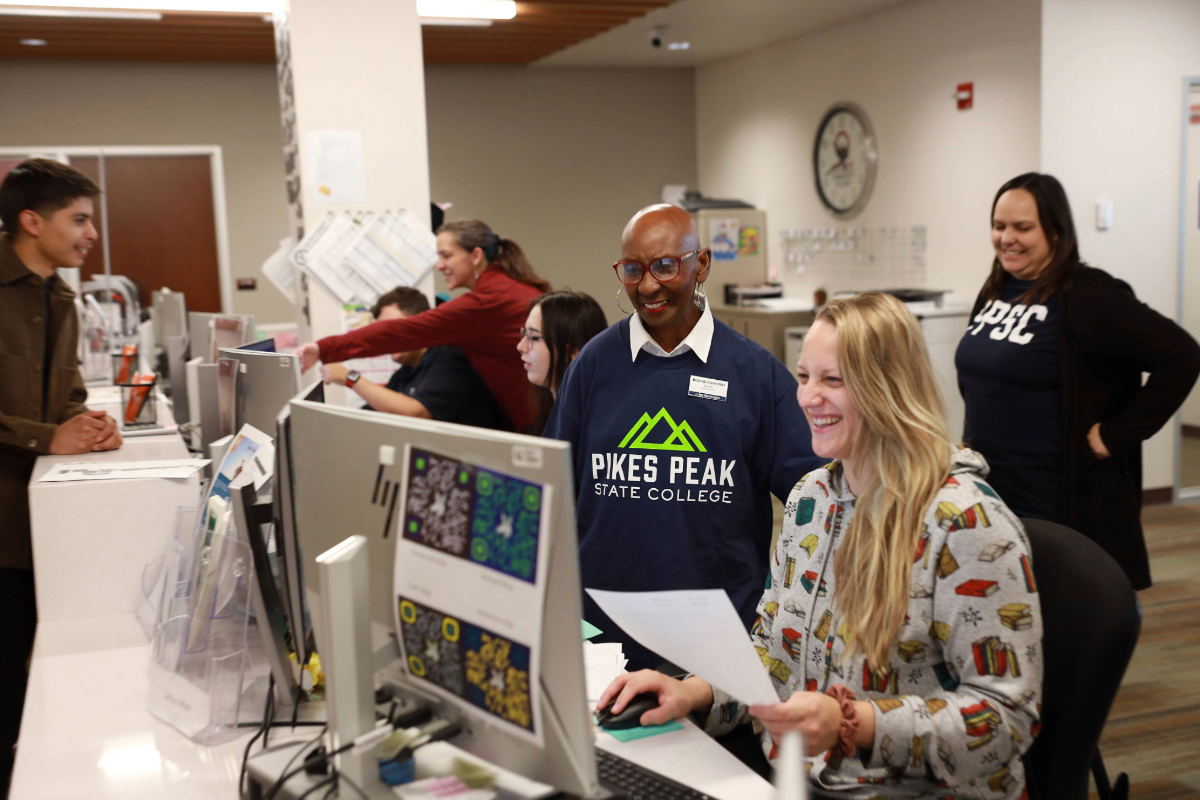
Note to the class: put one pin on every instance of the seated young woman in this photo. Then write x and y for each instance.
(900, 623)
(558, 326)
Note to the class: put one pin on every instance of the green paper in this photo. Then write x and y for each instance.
(590, 630)
(629, 734)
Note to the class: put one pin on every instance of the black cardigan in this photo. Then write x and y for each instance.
(1106, 339)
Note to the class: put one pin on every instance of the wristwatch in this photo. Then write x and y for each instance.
(352, 377)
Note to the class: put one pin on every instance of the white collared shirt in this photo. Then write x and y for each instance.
(699, 340)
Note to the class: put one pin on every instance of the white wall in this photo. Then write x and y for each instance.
(1112, 94)
(940, 167)
(559, 159)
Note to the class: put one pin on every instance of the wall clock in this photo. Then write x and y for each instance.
(845, 158)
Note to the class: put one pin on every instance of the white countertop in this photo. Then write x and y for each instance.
(86, 733)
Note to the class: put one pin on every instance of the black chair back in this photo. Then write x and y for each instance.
(1091, 620)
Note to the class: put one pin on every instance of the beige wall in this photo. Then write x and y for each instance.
(1112, 94)
(1191, 242)
(939, 167)
(558, 159)
(236, 106)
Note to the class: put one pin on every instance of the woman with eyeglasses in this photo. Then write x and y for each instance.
(483, 323)
(559, 325)
(681, 430)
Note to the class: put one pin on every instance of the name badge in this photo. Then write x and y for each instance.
(708, 388)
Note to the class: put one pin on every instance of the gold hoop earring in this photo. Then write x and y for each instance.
(623, 311)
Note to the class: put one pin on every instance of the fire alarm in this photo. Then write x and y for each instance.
(965, 95)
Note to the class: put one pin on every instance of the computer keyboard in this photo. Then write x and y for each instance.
(638, 783)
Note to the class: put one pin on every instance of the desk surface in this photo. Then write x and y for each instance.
(141, 448)
(86, 732)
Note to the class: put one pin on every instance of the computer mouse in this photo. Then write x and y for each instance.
(630, 715)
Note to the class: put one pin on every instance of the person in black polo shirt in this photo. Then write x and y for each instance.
(432, 383)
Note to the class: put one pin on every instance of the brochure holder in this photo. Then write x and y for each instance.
(213, 644)
(139, 405)
(199, 653)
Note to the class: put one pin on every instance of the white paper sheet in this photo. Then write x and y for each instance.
(602, 663)
(337, 166)
(392, 250)
(279, 270)
(320, 254)
(116, 470)
(698, 630)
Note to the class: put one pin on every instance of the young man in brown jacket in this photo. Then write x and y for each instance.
(46, 211)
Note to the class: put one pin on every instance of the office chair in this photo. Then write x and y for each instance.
(1091, 620)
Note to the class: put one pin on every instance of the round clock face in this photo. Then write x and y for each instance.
(844, 159)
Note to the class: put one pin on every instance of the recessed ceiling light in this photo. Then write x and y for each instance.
(469, 9)
(252, 6)
(34, 42)
(75, 13)
(457, 22)
(678, 45)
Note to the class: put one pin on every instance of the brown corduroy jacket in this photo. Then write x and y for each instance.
(29, 418)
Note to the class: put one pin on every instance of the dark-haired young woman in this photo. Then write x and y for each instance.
(1051, 373)
(559, 325)
(484, 323)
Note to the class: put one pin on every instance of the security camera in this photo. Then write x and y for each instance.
(657, 35)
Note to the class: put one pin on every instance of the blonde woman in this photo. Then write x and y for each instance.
(900, 624)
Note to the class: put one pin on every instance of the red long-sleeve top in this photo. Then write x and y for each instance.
(484, 323)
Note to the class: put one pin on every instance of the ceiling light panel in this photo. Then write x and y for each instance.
(468, 9)
(65, 8)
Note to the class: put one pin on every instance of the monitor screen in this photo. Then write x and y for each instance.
(262, 346)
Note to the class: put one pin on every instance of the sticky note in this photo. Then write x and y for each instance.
(590, 630)
(629, 734)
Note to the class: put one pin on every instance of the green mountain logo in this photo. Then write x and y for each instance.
(682, 437)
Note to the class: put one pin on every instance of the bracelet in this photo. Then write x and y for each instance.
(845, 747)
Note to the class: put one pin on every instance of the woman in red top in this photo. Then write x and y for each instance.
(485, 323)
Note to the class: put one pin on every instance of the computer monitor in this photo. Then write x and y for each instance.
(285, 526)
(262, 345)
(348, 468)
(200, 332)
(265, 384)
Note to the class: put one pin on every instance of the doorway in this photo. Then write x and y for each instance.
(1187, 478)
(161, 217)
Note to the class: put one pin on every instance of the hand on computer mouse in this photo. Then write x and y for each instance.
(673, 698)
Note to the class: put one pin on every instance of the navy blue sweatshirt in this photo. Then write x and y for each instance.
(672, 485)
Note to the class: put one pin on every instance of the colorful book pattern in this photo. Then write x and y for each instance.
(913, 652)
(809, 581)
(981, 721)
(1016, 616)
(791, 643)
(947, 566)
(789, 572)
(809, 543)
(994, 657)
(995, 550)
(977, 588)
(922, 547)
(950, 519)
(805, 510)
(777, 669)
(881, 682)
(1027, 572)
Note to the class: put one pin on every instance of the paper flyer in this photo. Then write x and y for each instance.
(278, 269)
(470, 584)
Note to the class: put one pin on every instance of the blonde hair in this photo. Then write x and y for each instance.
(905, 448)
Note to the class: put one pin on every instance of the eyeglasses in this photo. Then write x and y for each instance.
(532, 334)
(631, 272)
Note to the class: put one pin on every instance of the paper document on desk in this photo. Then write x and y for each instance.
(117, 470)
(700, 631)
(602, 663)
